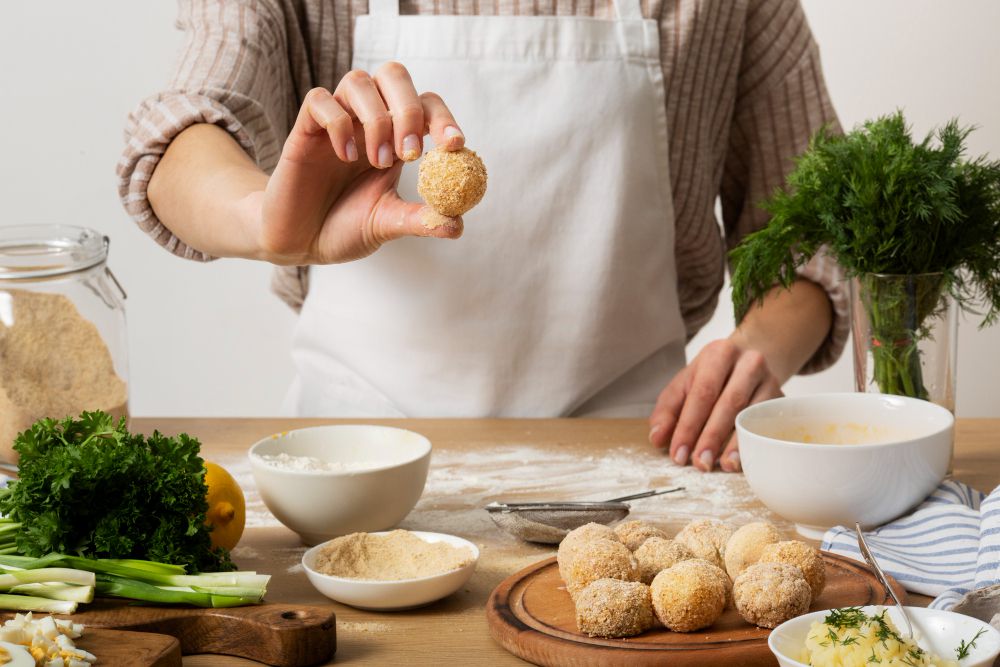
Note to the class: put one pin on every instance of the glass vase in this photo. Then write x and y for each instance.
(905, 331)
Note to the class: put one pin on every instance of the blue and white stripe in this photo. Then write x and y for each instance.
(949, 545)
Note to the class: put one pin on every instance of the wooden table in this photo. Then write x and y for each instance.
(478, 460)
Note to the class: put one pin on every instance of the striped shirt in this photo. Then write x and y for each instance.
(744, 92)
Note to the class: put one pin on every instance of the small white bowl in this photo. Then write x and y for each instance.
(320, 505)
(393, 595)
(937, 631)
(816, 486)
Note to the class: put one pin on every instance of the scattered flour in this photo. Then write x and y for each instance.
(244, 552)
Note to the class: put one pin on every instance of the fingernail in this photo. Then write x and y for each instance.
(681, 457)
(707, 459)
(352, 150)
(411, 147)
(653, 431)
(385, 155)
(734, 461)
(452, 132)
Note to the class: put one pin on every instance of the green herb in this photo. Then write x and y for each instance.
(964, 648)
(873, 657)
(89, 487)
(882, 204)
(846, 617)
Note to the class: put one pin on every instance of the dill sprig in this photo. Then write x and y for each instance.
(964, 648)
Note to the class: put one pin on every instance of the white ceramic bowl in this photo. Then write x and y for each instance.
(937, 631)
(393, 595)
(320, 505)
(816, 486)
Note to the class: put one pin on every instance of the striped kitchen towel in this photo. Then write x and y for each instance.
(948, 546)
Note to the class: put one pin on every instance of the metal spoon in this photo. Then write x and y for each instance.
(548, 522)
(880, 575)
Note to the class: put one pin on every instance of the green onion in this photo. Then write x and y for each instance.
(29, 603)
(56, 592)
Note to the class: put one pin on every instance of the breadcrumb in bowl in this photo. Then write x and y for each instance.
(451, 182)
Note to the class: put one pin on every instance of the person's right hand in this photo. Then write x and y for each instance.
(332, 197)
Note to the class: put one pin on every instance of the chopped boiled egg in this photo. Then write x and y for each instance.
(46, 642)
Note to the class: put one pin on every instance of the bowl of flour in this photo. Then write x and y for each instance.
(327, 481)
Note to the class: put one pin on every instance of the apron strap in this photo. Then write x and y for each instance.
(628, 10)
(386, 7)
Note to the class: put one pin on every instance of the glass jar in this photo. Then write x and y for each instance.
(905, 331)
(63, 346)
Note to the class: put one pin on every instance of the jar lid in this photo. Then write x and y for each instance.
(44, 251)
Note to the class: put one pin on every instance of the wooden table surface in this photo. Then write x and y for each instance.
(475, 461)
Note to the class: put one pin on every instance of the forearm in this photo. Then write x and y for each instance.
(788, 327)
(207, 190)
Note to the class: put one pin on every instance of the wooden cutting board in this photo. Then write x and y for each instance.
(276, 634)
(531, 615)
(118, 648)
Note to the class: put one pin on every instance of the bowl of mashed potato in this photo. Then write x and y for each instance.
(876, 635)
(833, 459)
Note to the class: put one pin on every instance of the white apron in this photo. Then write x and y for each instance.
(560, 299)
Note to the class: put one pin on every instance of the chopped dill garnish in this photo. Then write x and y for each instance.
(847, 617)
(963, 648)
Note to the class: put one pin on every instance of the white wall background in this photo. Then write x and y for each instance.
(210, 340)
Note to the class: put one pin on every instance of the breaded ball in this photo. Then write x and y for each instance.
(802, 556)
(745, 546)
(589, 532)
(723, 578)
(613, 608)
(600, 559)
(707, 539)
(768, 594)
(451, 182)
(688, 596)
(657, 554)
(634, 533)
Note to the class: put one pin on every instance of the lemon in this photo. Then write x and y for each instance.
(226, 507)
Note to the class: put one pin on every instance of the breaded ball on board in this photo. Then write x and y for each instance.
(768, 594)
(723, 578)
(451, 182)
(802, 556)
(707, 539)
(634, 533)
(589, 532)
(657, 554)
(600, 559)
(613, 608)
(745, 546)
(688, 596)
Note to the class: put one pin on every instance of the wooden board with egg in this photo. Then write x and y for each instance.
(533, 614)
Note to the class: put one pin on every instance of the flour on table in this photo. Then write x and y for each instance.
(460, 483)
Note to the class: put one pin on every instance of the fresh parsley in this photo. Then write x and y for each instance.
(90, 488)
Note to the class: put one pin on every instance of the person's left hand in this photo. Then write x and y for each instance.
(695, 413)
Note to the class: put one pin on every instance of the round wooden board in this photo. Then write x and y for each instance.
(531, 615)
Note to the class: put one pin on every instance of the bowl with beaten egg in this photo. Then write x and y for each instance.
(834, 459)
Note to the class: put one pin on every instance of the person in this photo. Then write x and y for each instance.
(609, 129)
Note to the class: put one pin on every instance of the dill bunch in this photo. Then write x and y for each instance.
(881, 204)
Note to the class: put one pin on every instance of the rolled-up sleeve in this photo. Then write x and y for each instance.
(782, 101)
(232, 71)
